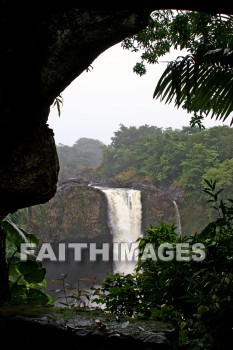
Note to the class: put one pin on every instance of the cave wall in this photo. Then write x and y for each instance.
(44, 47)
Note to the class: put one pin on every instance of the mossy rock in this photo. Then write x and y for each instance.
(46, 327)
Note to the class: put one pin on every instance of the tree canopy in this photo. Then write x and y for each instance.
(168, 158)
(78, 159)
(201, 81)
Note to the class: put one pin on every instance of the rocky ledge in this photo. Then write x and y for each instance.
(56, 327)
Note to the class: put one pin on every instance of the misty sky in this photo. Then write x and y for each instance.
(97, 102)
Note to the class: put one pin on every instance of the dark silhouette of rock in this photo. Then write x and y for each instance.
(47, 327)
(44, 47)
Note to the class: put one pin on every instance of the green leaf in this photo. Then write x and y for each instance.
(29, 266)
(13, 233)
(36, 296)
(202, 309)
(204, 87)
(58, 102)
(32, 271)
(19, 294)
(31, 237)
(35, 276)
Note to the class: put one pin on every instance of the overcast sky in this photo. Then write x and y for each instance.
(97, 102)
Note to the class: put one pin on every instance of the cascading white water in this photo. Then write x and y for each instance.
(125, 216)
(179, 228)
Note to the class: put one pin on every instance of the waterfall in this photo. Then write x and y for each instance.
(125, 215)
(179, 229)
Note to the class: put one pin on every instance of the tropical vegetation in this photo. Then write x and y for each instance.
(200, 80)
(195, 295)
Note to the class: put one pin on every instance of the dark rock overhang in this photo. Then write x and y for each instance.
(44, 47)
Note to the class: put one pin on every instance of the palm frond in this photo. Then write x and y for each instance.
(201, 83)
(221, 57)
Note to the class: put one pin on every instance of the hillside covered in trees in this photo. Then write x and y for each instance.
(81, 158)
(170, 158)
(173, 160)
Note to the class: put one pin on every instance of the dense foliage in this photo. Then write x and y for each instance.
(26, 276)
(79, 159)
(170, 158)
(196, 296)
(181, 30)
(200, 81)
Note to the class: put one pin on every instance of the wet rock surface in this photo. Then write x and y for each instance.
(49, 326)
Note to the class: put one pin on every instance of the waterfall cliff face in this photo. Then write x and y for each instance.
(125, 216)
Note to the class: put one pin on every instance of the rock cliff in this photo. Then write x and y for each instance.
(79, 211)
